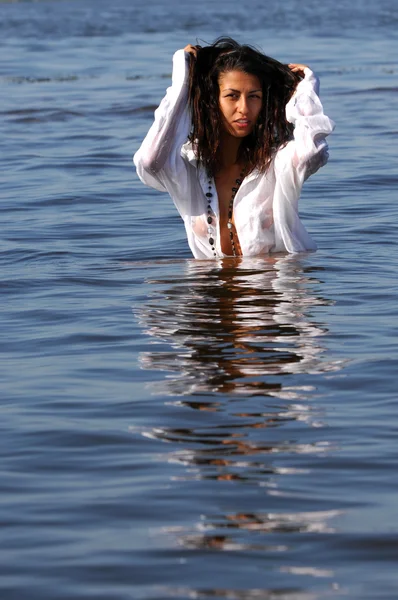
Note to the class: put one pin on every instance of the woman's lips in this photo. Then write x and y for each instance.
(242, 122)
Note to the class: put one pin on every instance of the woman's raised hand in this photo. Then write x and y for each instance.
(192, 50)
(297, 68)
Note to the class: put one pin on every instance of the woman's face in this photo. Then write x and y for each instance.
(240, 102)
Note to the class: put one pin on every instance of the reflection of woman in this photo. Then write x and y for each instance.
(255, 130)
(234, 326)
(235, 336)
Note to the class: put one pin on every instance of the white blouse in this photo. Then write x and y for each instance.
(266, 205)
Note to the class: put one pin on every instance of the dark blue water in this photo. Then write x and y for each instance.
(173, 428)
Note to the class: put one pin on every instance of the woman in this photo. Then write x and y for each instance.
(233, 141)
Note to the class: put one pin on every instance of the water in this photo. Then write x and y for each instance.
(173, 428)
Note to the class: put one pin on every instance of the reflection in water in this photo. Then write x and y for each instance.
(242, 345)
(232, 324)
(230, 594)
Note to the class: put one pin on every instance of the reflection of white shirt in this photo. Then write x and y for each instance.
(266, 205)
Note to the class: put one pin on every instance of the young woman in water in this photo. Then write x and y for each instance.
(233, 141)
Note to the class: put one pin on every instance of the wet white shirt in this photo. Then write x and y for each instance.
(266, 205)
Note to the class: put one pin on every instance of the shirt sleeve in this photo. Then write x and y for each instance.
(311, 126)
(296, 161)
(158, 161)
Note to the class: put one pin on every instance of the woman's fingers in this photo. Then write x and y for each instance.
(192, 50)
(295, 67)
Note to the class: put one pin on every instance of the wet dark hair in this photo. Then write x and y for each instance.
(272, 130)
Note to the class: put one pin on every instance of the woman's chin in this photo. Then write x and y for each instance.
(240, 133)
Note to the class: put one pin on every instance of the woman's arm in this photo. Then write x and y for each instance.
(158, 160)
(296, 161)
(311, 125)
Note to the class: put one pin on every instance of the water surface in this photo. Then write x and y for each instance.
(173, 428)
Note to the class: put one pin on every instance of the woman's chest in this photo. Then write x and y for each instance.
(227, 184)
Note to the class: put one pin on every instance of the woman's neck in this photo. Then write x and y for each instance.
(229, 151)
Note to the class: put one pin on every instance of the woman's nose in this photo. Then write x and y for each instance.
(242, 105)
